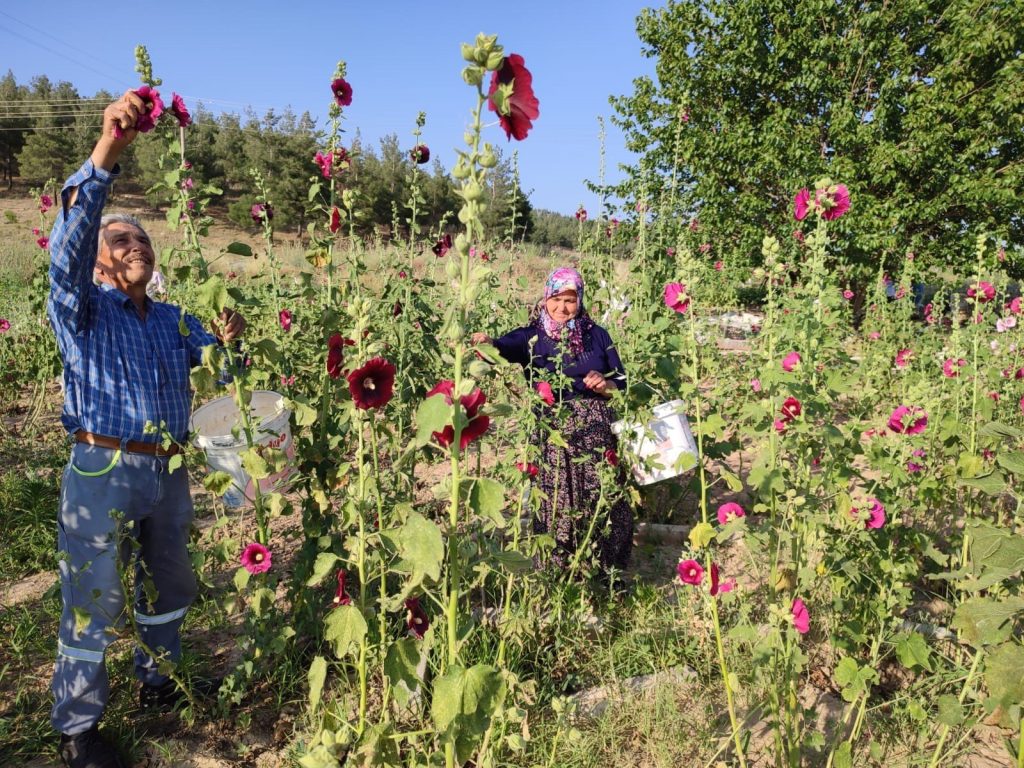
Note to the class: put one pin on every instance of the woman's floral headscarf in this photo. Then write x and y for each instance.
(564, 279)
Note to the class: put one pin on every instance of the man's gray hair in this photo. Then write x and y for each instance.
(120, 218)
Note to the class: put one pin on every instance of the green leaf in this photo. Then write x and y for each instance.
(1004, 674)
(701, 535)
(239, 249)
(218, 482)
(317, 676)
(513, 561)
(1012, 462)
(254, 464)
(213, 295)
(556, 439)
(464, 701)
(731, 480)
(82, 619)
(324, 565)
(431, 416)
(912, 650)
(951, 712)
(303, 413)
(401, 666)
(844, 756)
(421, 546)
(853, 678)
(999, 430)
(986, 621)
(992, 484)
(345, 627)
(175, 462)
(487, 499)
(241, 579)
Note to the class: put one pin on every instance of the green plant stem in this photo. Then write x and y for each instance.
(361, 569)
(963, 695)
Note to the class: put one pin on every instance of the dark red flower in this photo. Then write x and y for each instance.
(335, 223)
(471, 403)
(527, 468)
(342, 92)
(791, 408)
(442, 246)
(341, 597)
(336, 354)
(43, 242)
(523, 106)
(397, 309)
(420, 154)
(180, 111)
(611, 457)
(285, 318)
(373, 384)
(416, 618)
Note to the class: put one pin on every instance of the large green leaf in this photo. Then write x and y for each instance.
(317, 677)
(464, 701)
(431, 416)
(345, 627)
(486, 498)
(420, 546)
(986, 620)
(1004, 674)
(213, 295)
(324, 563)
(400, 665)
(912, 650)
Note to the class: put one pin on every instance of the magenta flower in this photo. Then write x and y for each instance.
(908, 420)
(341, 597)
(342, 92)
(875, 335)
(147, 120)
(730, 511)
(261, 211)
(801, 205)
(1014, 306)
(755, 384)
(833, 202)
(373, 384)
(324, 161)
(983, 291)
(790, 361)
(545, 392)
(611, 457)
(780, 426)
(442, 246)
(416, 618)
(704, 247)
(950, 366)
(285, 318)
(523, 106)
(43, 242)
(180, 111)
(875, 514)
(676, 298)
(801, 619)
(527, 468)
(847, 294)
(791, 408)
(45, 203)
(420, 154)
(903, 358)
(690, 572)
(5, 325)
(471, 404)
(581, 214)
(719, 266)
(256, 558)
(717, 586)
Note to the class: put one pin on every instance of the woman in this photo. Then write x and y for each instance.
(562, 344)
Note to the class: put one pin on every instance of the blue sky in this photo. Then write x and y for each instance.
(402, 57)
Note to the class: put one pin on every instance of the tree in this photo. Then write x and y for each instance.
(48, 151)
(916, 105)
(13, 125)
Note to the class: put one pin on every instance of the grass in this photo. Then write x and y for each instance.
(28, 508)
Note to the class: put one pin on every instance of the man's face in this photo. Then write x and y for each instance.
(125, 256)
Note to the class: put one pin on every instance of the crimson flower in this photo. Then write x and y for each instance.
(719, 587)
(801, 618)
(420, 154)
(581, 214)
(791, 408)
(261, 211)
(676, 298)
(324, 161)
(801, 205)
(527, 468)
(611, 457)
(523, 106)
(341, 597)
(5, 325)
(730, 511)
(790, 361)
(719, 266)
(442, 246)
(342, 92)
(335, 223)
(903, 358)
(45, 203)
(984, 291)
(256, 558)
(147, 120)
(285, 318)
(1014, 305)
(336, 354)
(949, 367)
(373, 384)
(36, 231)
(471, 404)
(43, 242)
(180, 111)
(918, 420)
(416, 618)
(690, 572)
(544, 390)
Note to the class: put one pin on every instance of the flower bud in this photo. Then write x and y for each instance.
(452, 268)
(759, 274)
(462, 244)
(488, 159)
(468, 53)
(472, 191)
(473, 75)
(495, 60)
(348, 198)
(461, 169)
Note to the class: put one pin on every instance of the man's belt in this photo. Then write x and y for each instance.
(131, 446)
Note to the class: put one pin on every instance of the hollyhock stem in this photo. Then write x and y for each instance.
(944, 734)
(361, 566)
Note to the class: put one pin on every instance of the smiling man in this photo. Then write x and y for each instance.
(127, 361)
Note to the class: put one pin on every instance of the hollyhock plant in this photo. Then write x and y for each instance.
(373, 384)
(341, 597)
(983, 291)
(471, 404)
(416, 618)
(908, 420)
(874, 517)
(801, 206)
(527, 468)
(833, 202)
(442, 246)
(256, 558)
(420, 154)
(676, 298)
(950, 367)
(730, 511)
(545, 392)
(261, 211)
(43, 242)
(324, 160)
(801, 618)
(342, 92)
(690, 572)
(903, 358)
(285, 318)
(790, 361)
(180, 111)
(522, 105)
(336, 354)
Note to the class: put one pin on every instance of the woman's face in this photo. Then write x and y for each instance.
(562, 306)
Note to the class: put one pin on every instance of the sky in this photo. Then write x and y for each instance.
(402, 58)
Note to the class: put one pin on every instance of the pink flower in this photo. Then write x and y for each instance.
(188, 183)
(324, 160)
(676, 298)
(684, 116)
(527, 468)
(43, 242)
(256, 558)
(730, 511)
(147, 120)
(261, 211)
(901, 292)
(342, 92)
(690, 572)
(913, 467)
(801, 619)
(45, 203)
(1004, 324)
(544, 390)
(801, 205)
(180, 111)
(704, 247)
(790, 361)
(847, 294)
(903, 358)
(755, 384)
(581, 214)
(719, 266)
(285, 318)
(694, 225)
(1014, 306)
(798, 235)
(875, 335)
(916, 415)
(949, 367)
(670, 252)
(36, 231)
(372, 385)
(983, 291)
(611, 457)
(780, 426)
(834, 202)
(875, 514)
(420, 154)
(523, 106)
(5, 325)
(287, 381)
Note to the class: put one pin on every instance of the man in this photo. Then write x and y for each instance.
(126, 365)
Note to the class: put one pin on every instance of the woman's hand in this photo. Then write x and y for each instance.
(596, 382)
(480, 338)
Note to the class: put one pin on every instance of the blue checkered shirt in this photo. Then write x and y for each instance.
(120, 371)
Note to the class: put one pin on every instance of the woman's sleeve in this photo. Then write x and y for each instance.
(514, 345)
(615, 371)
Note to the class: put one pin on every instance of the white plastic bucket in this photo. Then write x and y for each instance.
(212, 426)
(659, 444)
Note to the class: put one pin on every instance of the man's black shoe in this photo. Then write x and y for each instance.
(89, 750)
(168, 696)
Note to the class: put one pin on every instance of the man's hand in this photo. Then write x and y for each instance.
(229, 326)
(123, 113)
(597, 382)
